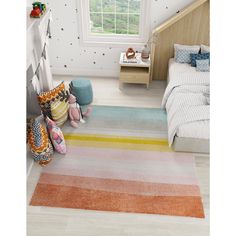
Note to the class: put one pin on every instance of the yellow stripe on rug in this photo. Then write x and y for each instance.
(138, 143)
(111, 138)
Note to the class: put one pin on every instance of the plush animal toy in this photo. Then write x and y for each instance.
(75, 113)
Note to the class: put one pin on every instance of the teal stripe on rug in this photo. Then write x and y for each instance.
(127, 121)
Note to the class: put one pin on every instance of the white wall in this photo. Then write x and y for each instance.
(29, 2)
(68, 56)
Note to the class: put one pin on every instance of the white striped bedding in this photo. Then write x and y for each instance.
(186, 103)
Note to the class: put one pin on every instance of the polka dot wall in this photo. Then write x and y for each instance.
(69, 56)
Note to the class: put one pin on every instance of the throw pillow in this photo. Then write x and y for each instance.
(203, 65)
(198, 56)
(59, 112)
(205, 49)
(40, 145)
(56, 136)
(182, 52)
(48, 99)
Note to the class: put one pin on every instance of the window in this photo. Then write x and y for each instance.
(122, 21)
(114, 16)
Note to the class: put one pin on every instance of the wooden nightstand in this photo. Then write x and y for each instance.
(135, 73)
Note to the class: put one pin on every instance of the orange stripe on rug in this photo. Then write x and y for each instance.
(74, 197)
(120, 186)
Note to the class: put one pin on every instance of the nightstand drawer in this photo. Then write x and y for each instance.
(141, 78)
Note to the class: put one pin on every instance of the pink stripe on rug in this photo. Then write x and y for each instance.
(127, 165)
(122, 175)
(136, 155)
(121, 186)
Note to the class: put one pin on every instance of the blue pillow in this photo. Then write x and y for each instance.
(203, 65)
(198, 56)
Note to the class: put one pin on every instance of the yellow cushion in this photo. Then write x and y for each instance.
(46, 98)
(59, 111)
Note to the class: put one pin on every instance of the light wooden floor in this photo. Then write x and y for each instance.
(106, 92)
(46, 221)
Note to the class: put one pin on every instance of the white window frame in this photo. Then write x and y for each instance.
(90, 39)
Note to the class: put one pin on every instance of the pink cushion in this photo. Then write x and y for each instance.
(56, 136)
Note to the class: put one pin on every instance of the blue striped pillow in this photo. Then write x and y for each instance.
(198, 56)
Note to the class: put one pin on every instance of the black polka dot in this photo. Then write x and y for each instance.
(65, 66)
(62, 29)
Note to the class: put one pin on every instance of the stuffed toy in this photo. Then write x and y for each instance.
(56, 136)
(75, 113)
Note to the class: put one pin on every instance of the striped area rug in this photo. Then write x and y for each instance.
(120, 173)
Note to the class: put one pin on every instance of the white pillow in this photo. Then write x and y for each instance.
(205, 48)
(182, 52)
(182, 46)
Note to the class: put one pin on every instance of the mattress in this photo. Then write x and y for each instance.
(196, 145)
(199, 129)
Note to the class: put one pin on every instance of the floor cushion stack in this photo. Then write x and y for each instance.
(82, 90)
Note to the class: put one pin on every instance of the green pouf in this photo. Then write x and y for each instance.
(82, 90)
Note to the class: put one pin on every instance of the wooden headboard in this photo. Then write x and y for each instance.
(190, 26)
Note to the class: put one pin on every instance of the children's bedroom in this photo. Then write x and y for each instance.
(116, 133)
(118, 113)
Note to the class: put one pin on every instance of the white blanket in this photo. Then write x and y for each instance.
(185, 100)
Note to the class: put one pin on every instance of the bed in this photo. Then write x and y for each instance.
(186, 101)
(188, 115)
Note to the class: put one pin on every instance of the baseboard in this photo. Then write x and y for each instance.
(29, 167)
(85, 72)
